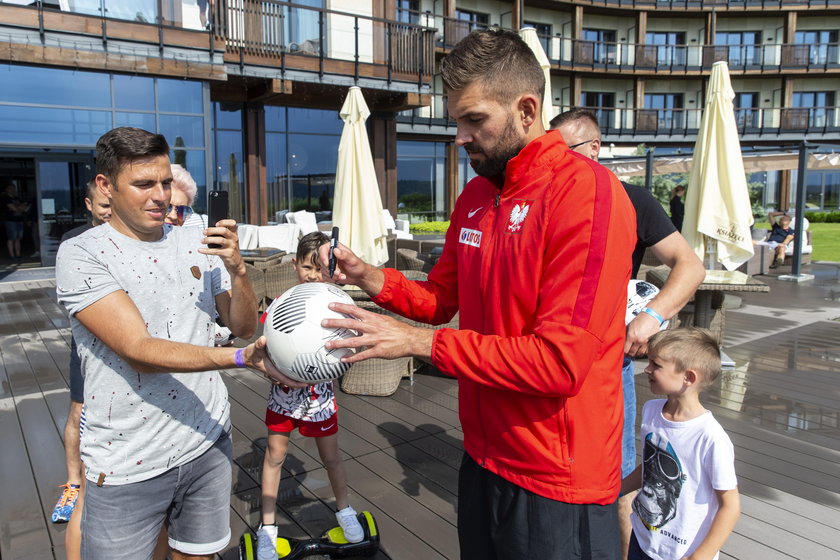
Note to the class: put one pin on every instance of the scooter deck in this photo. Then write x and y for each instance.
(332, 543)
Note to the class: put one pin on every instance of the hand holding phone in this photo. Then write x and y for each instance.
(217, 210)
(333, 245)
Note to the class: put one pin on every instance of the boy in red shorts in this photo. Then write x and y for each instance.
(312, 410)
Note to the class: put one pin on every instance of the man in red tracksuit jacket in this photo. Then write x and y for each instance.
(537, 262)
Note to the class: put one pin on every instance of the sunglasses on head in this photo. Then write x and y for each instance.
(183, 211)
(579, 144)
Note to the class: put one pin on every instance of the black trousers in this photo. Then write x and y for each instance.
(498, 520)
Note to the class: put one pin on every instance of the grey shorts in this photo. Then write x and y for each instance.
(124, 521)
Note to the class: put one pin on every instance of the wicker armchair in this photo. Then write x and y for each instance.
(279, 278)
(409, 259)
(257, 279)
(382, 377)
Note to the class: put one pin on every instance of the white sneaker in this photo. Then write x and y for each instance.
(267, 542)
(223, 336)
(353, 531)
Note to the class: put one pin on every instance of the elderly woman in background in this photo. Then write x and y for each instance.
(180, 210)
(180, 213)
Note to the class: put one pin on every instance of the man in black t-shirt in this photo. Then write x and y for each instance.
(780, 236)
(654, 229)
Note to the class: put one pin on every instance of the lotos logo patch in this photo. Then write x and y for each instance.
(470, 237)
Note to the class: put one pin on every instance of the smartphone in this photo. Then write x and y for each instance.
(217, 209)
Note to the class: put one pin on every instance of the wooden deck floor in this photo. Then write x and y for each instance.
(781, 407)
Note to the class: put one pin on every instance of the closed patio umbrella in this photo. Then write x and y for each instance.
(357, 205)
(529, 35)
(718, 213)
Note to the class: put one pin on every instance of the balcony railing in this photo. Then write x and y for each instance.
(271, 30)
(708, 4)
(670, 122)
(750, 121)
(596, 55)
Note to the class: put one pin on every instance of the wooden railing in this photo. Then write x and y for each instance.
(710, 4)
(756, 121)
(272, 29)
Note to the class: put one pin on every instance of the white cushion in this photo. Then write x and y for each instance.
(388, 220)
(804, 221)
(281, 236)
(402, 225)
(806, 249)
(248, 236)
(304, 219)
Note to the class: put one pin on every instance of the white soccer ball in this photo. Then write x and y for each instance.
(295, 337)
(639, 294)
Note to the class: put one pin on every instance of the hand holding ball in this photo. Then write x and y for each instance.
(295, 337)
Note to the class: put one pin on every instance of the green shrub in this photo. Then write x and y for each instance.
(823, 217)
(429, 227)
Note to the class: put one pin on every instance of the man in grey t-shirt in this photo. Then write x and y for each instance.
(142, 298)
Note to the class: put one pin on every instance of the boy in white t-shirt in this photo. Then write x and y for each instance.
(688, 503)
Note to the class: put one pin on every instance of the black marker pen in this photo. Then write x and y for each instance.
(333, 245)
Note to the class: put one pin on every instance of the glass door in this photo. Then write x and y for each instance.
(61, 199)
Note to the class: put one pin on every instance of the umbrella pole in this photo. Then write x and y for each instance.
(795, 273)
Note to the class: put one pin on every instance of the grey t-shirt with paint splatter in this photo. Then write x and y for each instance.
(139, 425)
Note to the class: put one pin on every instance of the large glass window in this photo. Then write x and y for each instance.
(144, 11)
(543, 33)
(46, 86)
(46, 126)
(229, 170)
(823, 45)
(301, 157)
(746, 109)
(474, 20)
(668, 107)
(408, 11)
(136, 93)
(57, 109)
(743, 47)
(602, 103)
(670, 47)
(421, 180)
(179, 96)
(819, 106)
(602, 43)
(302, 27)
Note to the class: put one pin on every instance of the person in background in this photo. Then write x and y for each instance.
(689, 502)
(313, 411)
(15, 211)
(180, 213)
(68, 508)
(780, 236)
(654, 230)
(205, 12)
(541, 316)
(677, 206)
(184, 189)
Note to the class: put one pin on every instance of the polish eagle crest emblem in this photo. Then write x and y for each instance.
(518, 215)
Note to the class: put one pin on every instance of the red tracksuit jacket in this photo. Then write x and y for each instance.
(539, 272)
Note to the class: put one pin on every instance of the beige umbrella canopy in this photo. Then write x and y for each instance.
(357, 205)
(717, 207)
(529, 35)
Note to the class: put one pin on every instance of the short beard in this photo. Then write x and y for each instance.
(507, 148)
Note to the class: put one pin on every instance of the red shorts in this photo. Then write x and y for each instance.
(282, 423)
